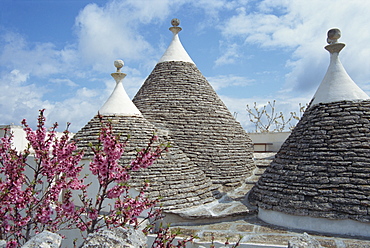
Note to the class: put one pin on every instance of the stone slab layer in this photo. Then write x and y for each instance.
(178, 98)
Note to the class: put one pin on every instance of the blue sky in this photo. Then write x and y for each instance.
(58, 54)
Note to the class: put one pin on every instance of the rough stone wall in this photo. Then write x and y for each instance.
(178, 98)
(173, 176)
(323, 168)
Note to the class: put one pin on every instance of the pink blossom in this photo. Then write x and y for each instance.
(12, 244)
(68, 207)
(44, 201)
(93, 214)
(115, 192)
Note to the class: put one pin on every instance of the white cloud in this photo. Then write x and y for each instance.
(76, 92)
(77, 110)
(230, 55)
(148, 11)
(132, 84)
(64, 81)
(36, 59)
(115, 30)
(302, 25)
(16, 77)
(212, 7)
(26, 69)
(224, 81)
(18, 98)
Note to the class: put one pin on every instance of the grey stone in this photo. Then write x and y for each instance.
(313, 168)
(303, 241)
(171, 175)
(2, 243)
(116, 238)
(45, 239)
(177, 97)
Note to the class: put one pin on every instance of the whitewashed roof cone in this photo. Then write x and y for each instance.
(175, 51)
(119, 102)
(337, 84)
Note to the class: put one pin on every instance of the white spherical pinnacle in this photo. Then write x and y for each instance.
(175, 22)
(118, 64)
(333, 35)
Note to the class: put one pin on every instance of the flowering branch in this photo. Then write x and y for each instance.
(113, 177)
(37, 186)
(30, 188)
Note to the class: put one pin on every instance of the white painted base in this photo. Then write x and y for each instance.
(344, 227)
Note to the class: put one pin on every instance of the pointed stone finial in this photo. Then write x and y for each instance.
(333, 35)
(175, 23)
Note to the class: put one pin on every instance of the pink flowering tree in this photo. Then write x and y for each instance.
(36, 191)
(35, 194)
(112, 176)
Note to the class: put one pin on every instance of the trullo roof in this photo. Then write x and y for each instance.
(173, 176)
(178, 98)
(323, 168)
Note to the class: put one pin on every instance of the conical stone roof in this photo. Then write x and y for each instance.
(178, 98)
(179, 182)
(323, 168)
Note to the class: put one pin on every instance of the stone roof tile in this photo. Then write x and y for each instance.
(322, 169)
(173, 176)
(178, 98)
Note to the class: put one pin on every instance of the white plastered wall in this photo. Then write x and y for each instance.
(323, 225)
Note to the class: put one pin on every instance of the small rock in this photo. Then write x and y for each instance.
(116, 238)
(304, 241)
(2, 243)
(45, 239)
